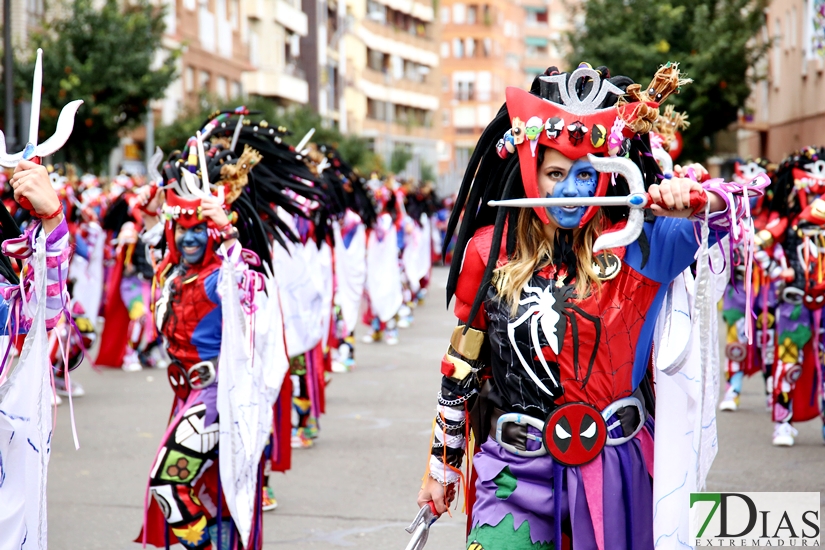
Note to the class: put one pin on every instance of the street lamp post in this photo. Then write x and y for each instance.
(8, 76)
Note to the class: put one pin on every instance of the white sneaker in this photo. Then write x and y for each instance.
(56, 400)
(370, 338)
(404, 322)
(730, 402)
(60, 387)
(391, 337)
(783, 434)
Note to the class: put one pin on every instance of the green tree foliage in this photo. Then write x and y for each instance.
(298, 120)
(713, 41)
(427, 172)
(399, 159)
(107, 58)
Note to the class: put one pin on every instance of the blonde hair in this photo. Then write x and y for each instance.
(534, 252)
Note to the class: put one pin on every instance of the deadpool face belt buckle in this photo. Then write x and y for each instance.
(574, 434)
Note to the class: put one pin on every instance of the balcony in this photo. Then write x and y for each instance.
(395, 42)
(291, 87)
(290, 17)
(281, 11)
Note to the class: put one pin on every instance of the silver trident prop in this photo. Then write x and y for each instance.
(637, 200)
(420, 526)
(65, 125)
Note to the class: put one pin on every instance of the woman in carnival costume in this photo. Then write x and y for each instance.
(218, 220)
(552, 354)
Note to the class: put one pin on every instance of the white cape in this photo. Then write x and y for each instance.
(417, 255)
(383, 272)
(26, 428)
(302, 295)
(686, 358)
(251, 369)
(89, 273)
(350, 274)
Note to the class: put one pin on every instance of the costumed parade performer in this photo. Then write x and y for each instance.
(217, 309)
(33, 304)
(795, 383)
(384, 291)
(558, 302)
(741, 357)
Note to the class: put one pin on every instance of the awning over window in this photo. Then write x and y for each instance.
(538, 41)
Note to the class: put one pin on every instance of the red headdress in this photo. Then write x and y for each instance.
(575, 126)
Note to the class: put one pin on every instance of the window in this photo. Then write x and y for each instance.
(235, 90)
(445, 50)
(445, 84)
(472, 15)
(189, 79)
(470, 47)
(793, 38)
(445, 118)
(777, 53)
(221, 87)
(487, 47)
(203, 81)
(458, 48)
(376, 12)
(375, 60)
(445, 15)
(459, 12)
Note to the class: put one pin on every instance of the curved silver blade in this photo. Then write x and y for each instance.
(636, 217)
(37, 88)
(152, 167)
(65, 125)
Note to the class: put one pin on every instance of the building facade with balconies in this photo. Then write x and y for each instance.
(487, 45)
(276, 28)
(786, 110)
(390, 86)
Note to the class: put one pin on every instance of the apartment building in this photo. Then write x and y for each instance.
(485, 47)
(390, 85)
(786, 110)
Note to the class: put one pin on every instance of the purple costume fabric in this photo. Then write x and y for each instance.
(544, 486)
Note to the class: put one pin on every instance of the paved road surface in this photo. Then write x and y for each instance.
(356, 488)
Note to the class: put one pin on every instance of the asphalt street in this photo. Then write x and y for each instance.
(357, 486)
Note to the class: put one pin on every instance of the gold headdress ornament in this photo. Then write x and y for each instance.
(668, 123)
(666, 81)
(234, 176)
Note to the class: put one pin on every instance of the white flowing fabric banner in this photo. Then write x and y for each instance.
(383, 272)
(350, 273)
(26, 428)
(89, 273)
(301, 294)
(248, 385)
(687, 387)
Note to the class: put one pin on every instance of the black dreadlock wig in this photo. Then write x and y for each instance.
(350, 188)
(279, 179)
(489, 177)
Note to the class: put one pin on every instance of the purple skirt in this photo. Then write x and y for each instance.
(608, 502)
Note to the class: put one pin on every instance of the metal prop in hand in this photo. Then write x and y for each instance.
(65, 125)
(420, 527)
(637, 200)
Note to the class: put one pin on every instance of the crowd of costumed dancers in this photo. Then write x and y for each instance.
(223, 258)
(784, 312)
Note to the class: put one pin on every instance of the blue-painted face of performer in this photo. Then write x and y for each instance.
(561, 177)
(191, 242)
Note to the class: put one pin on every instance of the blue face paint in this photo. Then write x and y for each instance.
(192, 244)
(581, 181)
